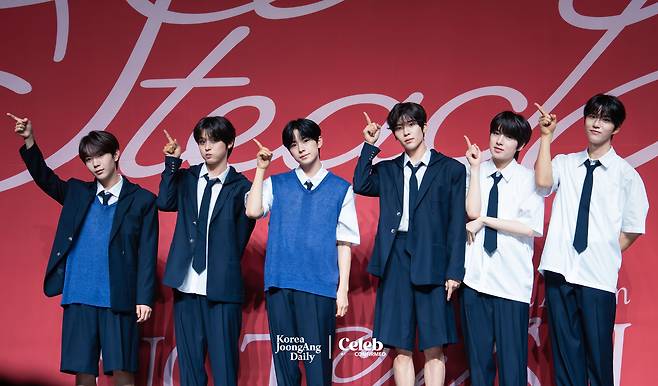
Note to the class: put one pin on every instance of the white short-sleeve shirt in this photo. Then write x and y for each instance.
(619, 204)
(508, 272)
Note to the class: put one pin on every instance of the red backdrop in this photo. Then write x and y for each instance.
(137, 67)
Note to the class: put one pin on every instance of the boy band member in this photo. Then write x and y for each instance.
(307, 264)
(599, 210)
(102, 260)
(506, 214)
(419, 247)
(203, 266)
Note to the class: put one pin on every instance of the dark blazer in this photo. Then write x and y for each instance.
(438, 234)
(133, 245)
(228, 232)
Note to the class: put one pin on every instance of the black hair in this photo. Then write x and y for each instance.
(511, 125)
(96, 143)
(217, 129)
(306, 127)
(605, 106)
(408, 111)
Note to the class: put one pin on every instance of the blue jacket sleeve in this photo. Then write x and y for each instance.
(147, 256)
(45, 177)
(167, 200)
(366, 179)
(456, 238)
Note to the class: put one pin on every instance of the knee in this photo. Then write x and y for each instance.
(403, 356)
(434, 353)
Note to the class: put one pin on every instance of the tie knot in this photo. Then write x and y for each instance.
(308, 185)
(413, 168)
(497, 176)
(105, 196)
(211, 181)
(591, 165)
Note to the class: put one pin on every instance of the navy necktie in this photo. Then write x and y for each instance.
(105, 196)
(413, 191)
(308, 185)
(490, 234)
(199, 259)
(582, 223)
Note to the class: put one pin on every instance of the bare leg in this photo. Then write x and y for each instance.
(85, 380)
(435, 366)
(403, 368)
(124, 378)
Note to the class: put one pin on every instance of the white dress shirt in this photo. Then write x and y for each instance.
(196, 283)
(347, 229)
(114, 190)
(508, 272)
(618, 204)
(404, 220)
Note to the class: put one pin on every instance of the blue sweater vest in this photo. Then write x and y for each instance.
(301, 245)
(87, 276)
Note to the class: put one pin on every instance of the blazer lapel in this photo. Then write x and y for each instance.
(125, 201)
(398, 174)
(82, 210)
(221, 198)
(429, 176)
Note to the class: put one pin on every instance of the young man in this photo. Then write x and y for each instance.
(599, 210)
(495, 298)
(307, 264)
(203, 266)
(102, 260)
(419, 247)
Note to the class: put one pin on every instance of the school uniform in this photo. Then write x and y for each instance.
(103, 262)
(308, 216)
(203, 267)
(595, 201)
(499, 275)
(419, 244)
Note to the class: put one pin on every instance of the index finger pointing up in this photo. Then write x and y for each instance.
(468, 141)
(541, 109)
(367, 117)
(258, 143)
(17, 119)
(168, 136)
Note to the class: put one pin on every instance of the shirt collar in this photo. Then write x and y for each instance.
(508, 171)
(425, 160)
(222, 176)
(114, 190)
(607, 159)
(315, 180)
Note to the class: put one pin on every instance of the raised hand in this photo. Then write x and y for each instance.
(264, 156)
(547, 121)
(473, 153)
(23, 126)
(371, 131)
(172, 148)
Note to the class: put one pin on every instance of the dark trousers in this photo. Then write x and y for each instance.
(201, 327)
(489, 320)
(301, 324)
(581, 322)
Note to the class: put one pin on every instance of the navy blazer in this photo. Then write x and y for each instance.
(228, 233)
(133, 247)
(438, 233)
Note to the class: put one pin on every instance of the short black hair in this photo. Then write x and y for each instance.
(605, 106)
(96, 143)
(217, 129)
(306, 127)
(511, 125)
(406, 110)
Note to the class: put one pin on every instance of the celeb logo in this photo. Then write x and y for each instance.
(362, 348)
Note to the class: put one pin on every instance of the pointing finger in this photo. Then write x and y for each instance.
(541, 110)
(468, 141)
(258, 143)
(17, 119)
(367, 117)
(168, 136)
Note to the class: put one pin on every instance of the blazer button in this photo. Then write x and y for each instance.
(59, 254)
(191, 240)
(194, 222)
(398, 214)
(392, 230)
(123, 252)
(70, 238)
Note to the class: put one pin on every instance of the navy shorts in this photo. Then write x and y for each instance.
(88, 330)
(402, 307)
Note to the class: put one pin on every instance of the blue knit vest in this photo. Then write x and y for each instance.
(87, 276)
(301, 245)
